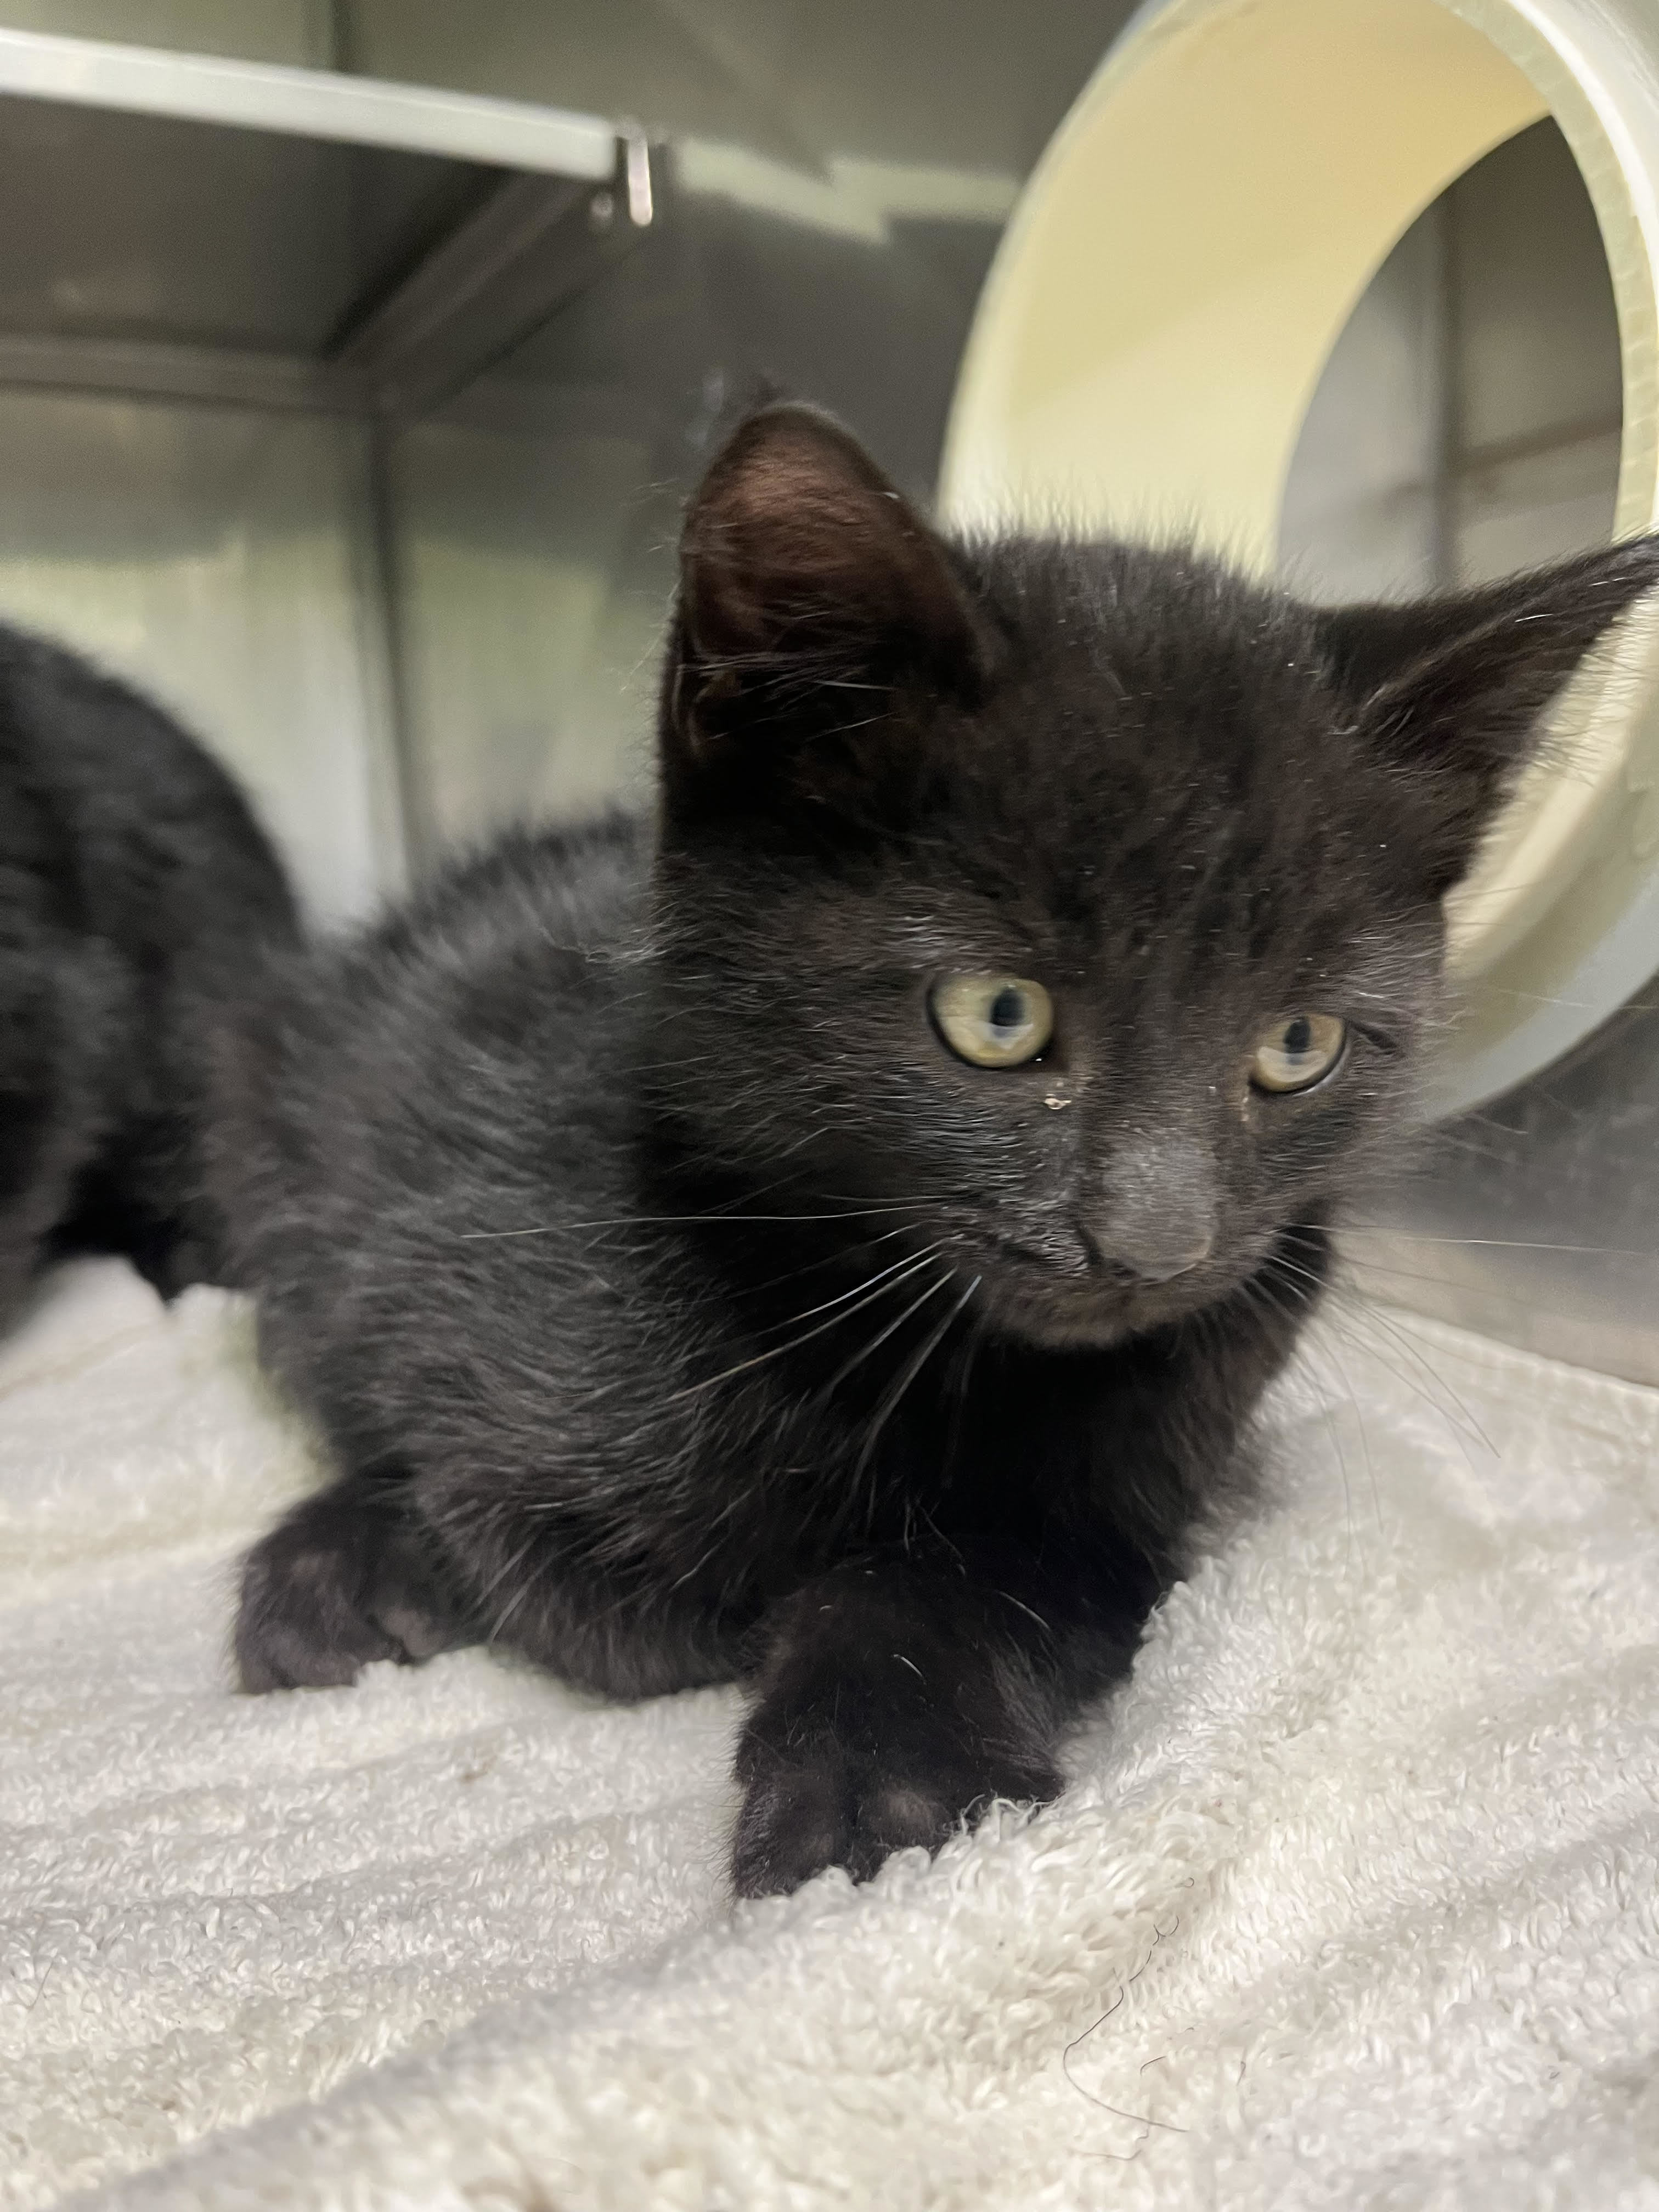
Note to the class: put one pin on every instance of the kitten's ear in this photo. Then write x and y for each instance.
(810, 588)
(1453, 688)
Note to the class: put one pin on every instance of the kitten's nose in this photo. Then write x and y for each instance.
(1160, 1220)
(1162, 1262)
(1152, 1258)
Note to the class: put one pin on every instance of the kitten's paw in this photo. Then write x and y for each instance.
(811, 1801)
(337, 1583)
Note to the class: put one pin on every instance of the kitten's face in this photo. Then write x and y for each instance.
(1132, 988)
(1069, 916)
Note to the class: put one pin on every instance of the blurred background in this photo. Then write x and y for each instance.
(828, 187)
(368, 459)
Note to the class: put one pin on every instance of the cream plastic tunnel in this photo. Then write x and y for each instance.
(1174, 277)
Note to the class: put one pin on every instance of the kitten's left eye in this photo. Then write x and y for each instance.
(1298, 1054)
(993, 1021)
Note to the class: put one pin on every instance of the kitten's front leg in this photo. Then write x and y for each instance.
(898, 1698)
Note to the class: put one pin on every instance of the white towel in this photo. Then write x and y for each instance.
(1355, 1902)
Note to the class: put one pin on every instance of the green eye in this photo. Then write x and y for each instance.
(993, 1021)
(1296, 1054)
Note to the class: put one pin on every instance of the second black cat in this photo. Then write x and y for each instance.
(838, 1235)
(136, 891)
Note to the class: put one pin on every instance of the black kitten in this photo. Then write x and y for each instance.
(135, 885)
(838, 1237)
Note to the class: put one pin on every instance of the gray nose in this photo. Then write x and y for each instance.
(1159, 1217)
(1161, 1262)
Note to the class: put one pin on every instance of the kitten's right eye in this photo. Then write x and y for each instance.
(993, 1021)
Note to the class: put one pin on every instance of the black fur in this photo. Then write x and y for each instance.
(135, 889)
(676, 1306)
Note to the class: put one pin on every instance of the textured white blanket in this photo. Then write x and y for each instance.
(1353, 1904)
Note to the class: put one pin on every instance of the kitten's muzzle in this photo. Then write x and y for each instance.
(1087, 1300)
(1081, 1312)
